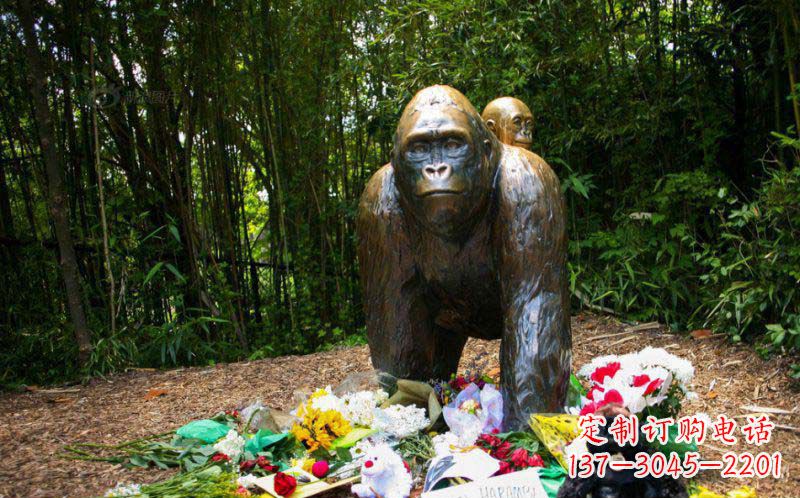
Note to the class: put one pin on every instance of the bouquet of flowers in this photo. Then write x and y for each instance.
(652, 381)
(474, 411)
(320, 423)
(447, 390)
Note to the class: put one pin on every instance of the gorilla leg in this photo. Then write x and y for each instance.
(448, 347)
(406, 343)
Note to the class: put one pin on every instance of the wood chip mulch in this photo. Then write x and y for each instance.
(39, 423)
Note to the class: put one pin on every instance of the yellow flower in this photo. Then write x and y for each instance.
(743, 492)
(703, 492)
(307, 464)
(318, 429)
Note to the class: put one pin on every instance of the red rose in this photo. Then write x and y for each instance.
(266, 464)
(609, 370)
(488, 440)
(535, 460)
(220, 457)
(407, 466)
(505, 468)
(520, 458)
(459, 383)
(285, 484)
(247, 465)
(502, 451)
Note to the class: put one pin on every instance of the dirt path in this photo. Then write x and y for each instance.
(38, 424)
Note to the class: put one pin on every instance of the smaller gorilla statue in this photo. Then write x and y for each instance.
(510, 120)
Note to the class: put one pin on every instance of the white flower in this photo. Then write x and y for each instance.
(328, 401)
(380, 396)
(359, 407)
(232, 445)
(681, 369)
(400, 421)
(633, 397)
(601, 361)
(247, 481)
(450, 442)
(362, 447)
(445, 444)
(123, 490)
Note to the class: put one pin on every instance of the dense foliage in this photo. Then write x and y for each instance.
(211, 155)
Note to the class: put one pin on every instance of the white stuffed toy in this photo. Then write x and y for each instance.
(383, 475)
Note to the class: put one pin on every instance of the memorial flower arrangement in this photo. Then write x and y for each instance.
(328, 437)
(651, 381)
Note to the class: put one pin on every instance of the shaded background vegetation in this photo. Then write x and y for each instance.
(178, 179)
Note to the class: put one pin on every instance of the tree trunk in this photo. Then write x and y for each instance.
(55, 171)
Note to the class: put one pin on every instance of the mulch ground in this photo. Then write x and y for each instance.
(38, 424)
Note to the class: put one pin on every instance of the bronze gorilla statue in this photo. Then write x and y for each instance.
(461, 236)
(510, 120)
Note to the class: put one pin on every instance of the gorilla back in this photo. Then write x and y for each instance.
(461, 236)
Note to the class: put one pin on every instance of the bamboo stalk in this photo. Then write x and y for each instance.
(101, 198)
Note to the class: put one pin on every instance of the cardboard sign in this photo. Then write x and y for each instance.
(523, 484)
(474, 465)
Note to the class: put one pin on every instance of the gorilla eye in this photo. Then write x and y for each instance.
(418, 147)
(517, 121)
(452, 144)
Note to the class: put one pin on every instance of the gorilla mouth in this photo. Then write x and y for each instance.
(440, 192)
(523, 142)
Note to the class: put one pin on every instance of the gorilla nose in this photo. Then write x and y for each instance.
(437, 171)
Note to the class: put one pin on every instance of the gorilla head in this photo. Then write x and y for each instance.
(444, 160)
(511, 120)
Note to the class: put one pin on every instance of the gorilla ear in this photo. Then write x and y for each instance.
(490, 124)
(487, 145)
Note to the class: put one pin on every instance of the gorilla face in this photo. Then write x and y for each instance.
(511, 120)
(440, 162)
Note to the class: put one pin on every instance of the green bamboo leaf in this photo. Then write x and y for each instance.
(175, 272)
(153, 271)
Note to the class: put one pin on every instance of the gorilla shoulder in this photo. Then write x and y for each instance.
(379, 198)
(525, 178)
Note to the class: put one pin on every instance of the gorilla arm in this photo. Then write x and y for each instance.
(403, 339)
(531, 245)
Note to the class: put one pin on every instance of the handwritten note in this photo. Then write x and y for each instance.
(523, 484)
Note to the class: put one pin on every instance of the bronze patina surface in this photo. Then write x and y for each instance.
(510, 120)
(463, 236)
